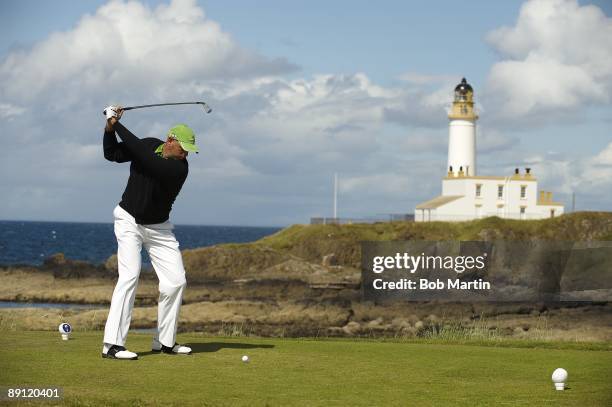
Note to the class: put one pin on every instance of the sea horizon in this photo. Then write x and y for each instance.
(29, 243)
(175, 224)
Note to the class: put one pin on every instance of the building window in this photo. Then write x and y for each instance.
(523, 191)
(478, 190)
(500, 192)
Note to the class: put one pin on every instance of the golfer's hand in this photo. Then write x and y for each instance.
(119, 111)
(114, 118)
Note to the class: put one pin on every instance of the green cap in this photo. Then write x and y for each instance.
(185, 136)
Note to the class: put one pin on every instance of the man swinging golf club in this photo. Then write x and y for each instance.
(158, 170)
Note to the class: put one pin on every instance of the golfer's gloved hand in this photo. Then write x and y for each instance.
(113, 111)
(113, 114)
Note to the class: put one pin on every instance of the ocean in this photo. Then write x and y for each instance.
(29, 243)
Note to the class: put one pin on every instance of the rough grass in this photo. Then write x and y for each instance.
(305, 372)
(320, 318)
(312, 241)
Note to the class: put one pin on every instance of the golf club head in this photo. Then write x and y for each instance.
(206, 108)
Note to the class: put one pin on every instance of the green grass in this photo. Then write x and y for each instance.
(308, 372)
(573, 226)
(312, 241)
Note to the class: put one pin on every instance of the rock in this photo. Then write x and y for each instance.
(400, 323)
(375, 323)
(57, 259)
(330, 260)
(351, 328)
(62, 267)
(432, 318)
(408, 331)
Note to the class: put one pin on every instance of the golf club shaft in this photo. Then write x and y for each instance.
(206, 107)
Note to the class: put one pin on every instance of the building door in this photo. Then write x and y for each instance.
(552, 213)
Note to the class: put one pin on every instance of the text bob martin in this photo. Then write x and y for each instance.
(425, 284)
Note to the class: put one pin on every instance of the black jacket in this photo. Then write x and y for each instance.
(154, 181)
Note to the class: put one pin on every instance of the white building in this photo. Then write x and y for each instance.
(465, 194)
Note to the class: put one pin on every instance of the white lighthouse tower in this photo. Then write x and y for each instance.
(467, 195)
(462, 132)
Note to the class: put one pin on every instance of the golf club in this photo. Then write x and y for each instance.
(206, 108)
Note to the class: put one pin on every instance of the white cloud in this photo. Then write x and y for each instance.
(558, 56)
(381, 184)
(422, 141)
(604, 157)
(130, 45)
(492, 140)
(7, 110)
(595, 178)
(420, 108)
(589, 177)
(556, 62)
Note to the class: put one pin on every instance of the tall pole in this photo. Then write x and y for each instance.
(573, 202)
(335, 195)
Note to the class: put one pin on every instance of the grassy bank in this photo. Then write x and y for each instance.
(304, 372)
(312, 241)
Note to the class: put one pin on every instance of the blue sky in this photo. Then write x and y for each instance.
(320, 36)
(292, 83)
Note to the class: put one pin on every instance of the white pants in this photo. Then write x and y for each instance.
(163, 249)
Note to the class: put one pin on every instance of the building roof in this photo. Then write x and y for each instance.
(464, 87)
(490, 177)
(438, 201)
(549, 203)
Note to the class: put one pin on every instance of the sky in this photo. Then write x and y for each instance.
(299, 91)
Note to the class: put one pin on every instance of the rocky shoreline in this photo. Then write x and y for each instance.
(306, 281)
(289, 307)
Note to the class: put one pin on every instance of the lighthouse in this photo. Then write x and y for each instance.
(467, 195)
(462, 132)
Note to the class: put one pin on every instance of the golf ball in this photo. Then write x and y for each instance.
(559, 375)
(245, 359)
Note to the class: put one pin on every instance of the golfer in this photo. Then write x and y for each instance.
(157, 172)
